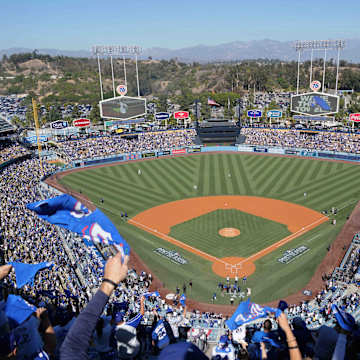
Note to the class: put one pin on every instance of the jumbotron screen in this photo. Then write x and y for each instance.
(122, 107)
(315, 104)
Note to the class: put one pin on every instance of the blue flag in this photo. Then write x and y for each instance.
(25, 273)
(183, 300)
(148, 294)
(18, 310)
(94, 227)
(248, 311)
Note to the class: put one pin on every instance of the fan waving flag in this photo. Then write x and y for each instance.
(94, 227)
(25, 273)
(248, 311)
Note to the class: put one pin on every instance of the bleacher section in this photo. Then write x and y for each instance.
(5, 126)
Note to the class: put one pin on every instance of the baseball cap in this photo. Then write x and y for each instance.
(345, 320)
(182, 351)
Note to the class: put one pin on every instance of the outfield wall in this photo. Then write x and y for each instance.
(323, 154)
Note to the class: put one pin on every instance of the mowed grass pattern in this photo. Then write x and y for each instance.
(256, 233)
(326, 183)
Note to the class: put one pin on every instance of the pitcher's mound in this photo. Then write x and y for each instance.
(233, 266)
(229, 232)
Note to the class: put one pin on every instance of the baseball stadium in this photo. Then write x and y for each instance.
(143, 228)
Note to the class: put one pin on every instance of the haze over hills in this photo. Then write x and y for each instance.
(232, 51)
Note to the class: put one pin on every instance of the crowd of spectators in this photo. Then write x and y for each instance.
(11, 150)
(108, 145)
(63, 291)
(320, 140)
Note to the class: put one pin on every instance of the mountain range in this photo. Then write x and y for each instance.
(227, 52)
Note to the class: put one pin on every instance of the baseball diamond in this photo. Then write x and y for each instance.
(262, 201)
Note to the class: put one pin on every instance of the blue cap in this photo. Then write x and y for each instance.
(169, 310)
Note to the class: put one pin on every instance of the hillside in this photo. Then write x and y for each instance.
(59, 79)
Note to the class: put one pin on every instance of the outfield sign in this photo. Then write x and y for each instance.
(122, 108)
(274, 114)
(315, 104)
(181, 114)
(162, 116)
(58, 125)
(313, 118)
(315, 85)
(179, 151)
(292, 254)
(33, 139)
(354, 117)
(121, 90)
(254, 113)
(81, 122)
(172, 255)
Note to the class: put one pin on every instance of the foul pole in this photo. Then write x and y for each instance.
(36, 120)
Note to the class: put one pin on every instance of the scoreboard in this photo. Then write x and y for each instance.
(315, 103)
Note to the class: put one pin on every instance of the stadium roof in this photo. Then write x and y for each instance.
(5, 125)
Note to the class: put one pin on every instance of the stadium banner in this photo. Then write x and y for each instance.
(291, 152)
(59, 124)
(181, 114)
(103, 160)
(354, 117)
(245, 148)
(274, 114)
(314, 103)
(178, 151)
(122, 108)
(33, 139)
(132, 156)
(260, 149)
(313, 118)
(162, 116)
(276, 151)
(164, 153)
(254, 113)
(308, 153)
(218, 148)
(81, 122)
(148, 154)
(192, 150)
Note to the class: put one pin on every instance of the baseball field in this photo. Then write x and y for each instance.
(208, 216)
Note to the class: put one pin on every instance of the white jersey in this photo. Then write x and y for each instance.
(228, 351)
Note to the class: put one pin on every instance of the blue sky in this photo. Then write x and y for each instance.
(78, 24)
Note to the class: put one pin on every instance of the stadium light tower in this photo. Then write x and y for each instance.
(117, 50)
(302, 45)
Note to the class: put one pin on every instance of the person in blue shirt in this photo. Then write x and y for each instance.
(224, 349)
(160, 338)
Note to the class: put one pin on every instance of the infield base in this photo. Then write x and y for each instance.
(233, 266)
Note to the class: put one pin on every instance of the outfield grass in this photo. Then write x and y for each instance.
(327, 184)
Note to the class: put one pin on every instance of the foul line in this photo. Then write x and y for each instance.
(282, 242)
(178, 243)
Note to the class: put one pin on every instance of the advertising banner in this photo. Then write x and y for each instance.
(179, 151)
(81, 122)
